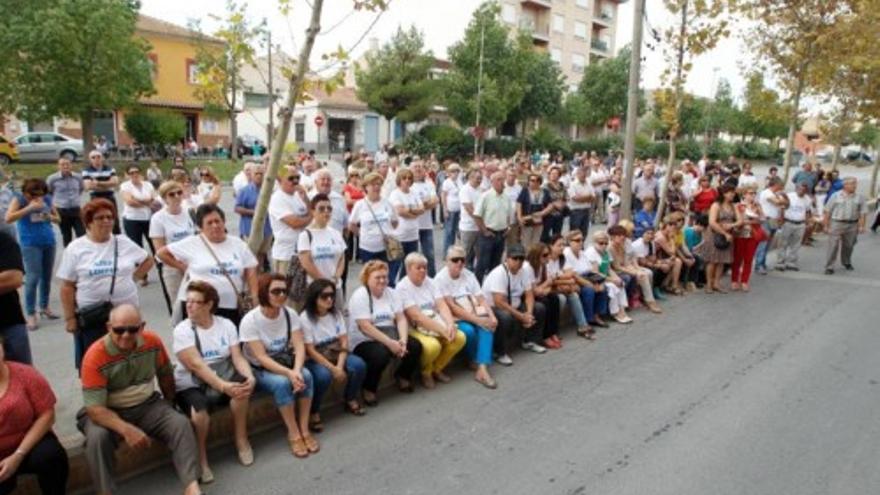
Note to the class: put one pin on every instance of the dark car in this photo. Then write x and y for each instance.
(858, 156)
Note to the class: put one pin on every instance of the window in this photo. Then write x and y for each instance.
(508, 13)
(580, 30)
(256, 100)
(558, 23)
(57, 138)
(572, 88)
(210, 126)
(300, 132)
(556, 55)
(153, 60)
(192, 71)
(577, 62)
(582, 3)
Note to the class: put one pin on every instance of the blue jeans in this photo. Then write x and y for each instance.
(16, 344)
(426, 242)
(593, 303)
(394, 266)
(764, 246)
(281, 388)
(355, 368)
(450, 229)
(479, 342)
(577, 310)
(364, 256)
(38, 262)
(489, 251)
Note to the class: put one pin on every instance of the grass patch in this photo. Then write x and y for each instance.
(225, 168)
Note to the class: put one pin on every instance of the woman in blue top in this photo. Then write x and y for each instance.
(34, 213)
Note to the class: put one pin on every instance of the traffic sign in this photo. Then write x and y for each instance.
(319, 120)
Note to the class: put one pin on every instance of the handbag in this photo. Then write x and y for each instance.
(565, 284)
(243, 301)
(393, 247)
(720, 241)
(469, 303)
(224, 369)
(389, 330)
(96, 315)
(298, 279)
(434, 316)
(758, 233)
(285, 357)
(595, 278)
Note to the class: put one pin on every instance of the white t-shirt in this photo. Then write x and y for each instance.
(424, 191)
(171, 227)
(307, 181)
(238, 183)
(771, 210)
(407, 228)
(424, 296)
(450, 188)
(580, 264)
(640, 248)
(513, 191)
(797, 207)
(216, 343)
(326, 246)
(371, 227)
(282, 205)
(233, 253)
(501, 281)
(578, 189)
(90, 266)
(747, 180)
(204, 191)
(384, 314)
(324, 330)
(468, 195)
(554, 267)
(465, 285)
(593, 256)
(255, 326)
(598, 178)
(143, 193)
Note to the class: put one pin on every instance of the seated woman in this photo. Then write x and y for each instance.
(212, 371)
(274, 345)
(565, 284)
(380, 331)
(27, 443)
(327, 347)
(428, 313)
(600, 262)
(646, 256)
(594, 297)
(623, 262)
(542, 287)
(664, 246)
(465, 299)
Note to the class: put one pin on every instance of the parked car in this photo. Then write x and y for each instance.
(855, 156)
(246, 145)
(48, 146)
(8, 152)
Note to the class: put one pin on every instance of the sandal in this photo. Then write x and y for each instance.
(587, 333)
(32, 323)
(298, 447)
(487, 382)
(356, 409)
(48, 314)
(371, 402)
(316, 425)
(312, 444)
(406, 388)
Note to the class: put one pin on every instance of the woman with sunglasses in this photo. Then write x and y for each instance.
(87, 267)
(209, 188)
(212, 371)
(474, 317)
(600, 262)
(288, 215)
(171, 224)
(593, 296)
(321, 248)
(327, 347)
(536, 268)
(565, 284)
(531, 207)
(408, 208)
(380, 332)
(275, 347)
(33, 213)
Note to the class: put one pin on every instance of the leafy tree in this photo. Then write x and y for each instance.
(544, 85)
(602, 93)
(155, 127)
(720, 113)
(219, 77)
(68, 58)
(396, 82)
(866, 136)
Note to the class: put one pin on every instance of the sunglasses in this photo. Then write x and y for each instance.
(134, 172)
(327, 295)
(292, 178)
(133, 329)
(602, 243)
(278, 292)
(324, 209)
(457, 259)
(579, 239)
(174, 194)
(517, 258)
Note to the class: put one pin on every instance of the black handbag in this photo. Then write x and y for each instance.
(96, 315)
(721, 241)
(285, 357)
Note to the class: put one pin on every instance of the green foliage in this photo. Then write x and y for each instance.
(602, 93)
(544, 84)
(753, 150)
(155, 127)
(70, 57)
(396, 81)
(547, 139)
(867, 136)
(599, 144)
(445, 141)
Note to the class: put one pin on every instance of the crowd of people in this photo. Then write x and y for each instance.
(523, 251)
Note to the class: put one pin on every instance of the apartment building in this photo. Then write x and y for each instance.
(574, 32)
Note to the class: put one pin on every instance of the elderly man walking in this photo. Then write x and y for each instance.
(844, 220)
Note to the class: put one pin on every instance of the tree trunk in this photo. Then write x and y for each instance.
(233, 125)
(792, 123)
(873, 190)
(835, 160)
(296, 83)
(86, 121)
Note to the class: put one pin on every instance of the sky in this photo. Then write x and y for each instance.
(443, 23)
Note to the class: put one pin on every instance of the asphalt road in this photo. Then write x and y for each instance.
(772, 392)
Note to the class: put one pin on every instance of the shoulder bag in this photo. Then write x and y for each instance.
(332, 349)
(244, 301)
(224, 369)
(96, 315)
(393, 247)
(389, 330)
(285, 357)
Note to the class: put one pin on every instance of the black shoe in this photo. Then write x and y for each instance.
(793, 268)
(849, 268)
(829, 271)
(600, 324)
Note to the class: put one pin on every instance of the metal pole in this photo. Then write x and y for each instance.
(477, 134)
(632, 110)
(713, 99)
(271, 96)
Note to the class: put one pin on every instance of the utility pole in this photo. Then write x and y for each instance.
(271, 129)
(477, 133)
(632, 110)
(712, 98)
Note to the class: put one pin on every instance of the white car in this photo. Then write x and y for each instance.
(47, 146)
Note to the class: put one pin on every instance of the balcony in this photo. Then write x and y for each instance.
(539, 4)
(540, 31)
(600, 46)
(603, 18)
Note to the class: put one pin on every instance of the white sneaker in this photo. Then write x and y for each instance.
(536, 348)
(504, 360)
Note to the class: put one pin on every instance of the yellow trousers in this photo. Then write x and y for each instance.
(436, 352)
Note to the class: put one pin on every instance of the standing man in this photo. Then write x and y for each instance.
(772, 200)
(581, 196)
(469, 197)
(512, 189)
(425, 190)
(646, 185)
(451, 204)
(492, 216)
(289, 215)
(243, 178)
(799, 208)
(100, 180)
(245, 203)
(844, 220)
(66, 188)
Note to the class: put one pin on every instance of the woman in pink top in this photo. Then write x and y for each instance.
(27, 443)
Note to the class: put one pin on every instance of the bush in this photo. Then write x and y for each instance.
(546, 139)
(600, 144)
(445, 141)
(502, 147)
(720, 149)
(753, 150)
(155, 127)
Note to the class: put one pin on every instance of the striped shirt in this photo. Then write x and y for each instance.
(102, 174)
(845, 207)
(115, 378)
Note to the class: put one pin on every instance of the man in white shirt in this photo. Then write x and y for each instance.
(451, 204)
(581, 196)
(772, 201)
(795, 216)
(508, 290)
(243, 178)
(426, 191)
(512, 188)
(468, 195)
(389, 172)
(288, 214)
